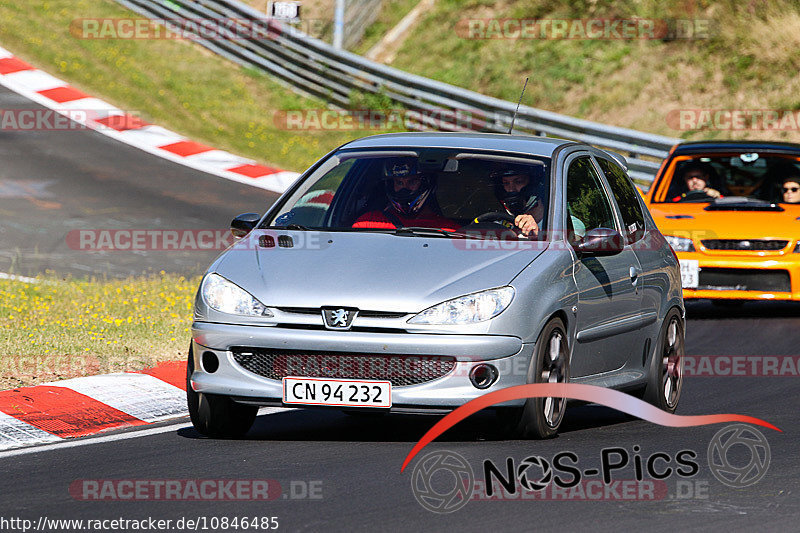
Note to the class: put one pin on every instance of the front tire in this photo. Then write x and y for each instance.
(214, 415)
(665, 375)
(540, 418)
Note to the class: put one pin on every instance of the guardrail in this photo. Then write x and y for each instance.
(318, 69)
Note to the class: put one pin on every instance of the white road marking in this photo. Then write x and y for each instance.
(93, 440)
(33, 80)
(15, 433)
(219, 159)
(63, 444)
(139, 395)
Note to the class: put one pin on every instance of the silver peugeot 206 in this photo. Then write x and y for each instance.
(416, 272)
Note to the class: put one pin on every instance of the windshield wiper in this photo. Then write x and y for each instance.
(429, 232)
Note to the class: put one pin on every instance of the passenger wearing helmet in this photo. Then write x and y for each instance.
(515, 189)
(409, 193)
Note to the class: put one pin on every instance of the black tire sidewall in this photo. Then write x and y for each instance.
(654, 391)
(532, 423)
(216, 416)
(192, 397)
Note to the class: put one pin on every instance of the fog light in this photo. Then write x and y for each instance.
(483, 376)
(210, 362)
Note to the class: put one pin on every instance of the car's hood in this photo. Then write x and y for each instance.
(685, 219)
(371, 271)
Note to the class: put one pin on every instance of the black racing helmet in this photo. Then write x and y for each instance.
(522, 201)
(405, 201)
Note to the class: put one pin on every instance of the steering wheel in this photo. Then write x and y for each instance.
(695, 196)
(489, 221)
(495, 216)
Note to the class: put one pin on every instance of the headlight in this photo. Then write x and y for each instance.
(680, 244)
(468, 309)
(226, 297)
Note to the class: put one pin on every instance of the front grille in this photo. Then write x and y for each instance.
(742, 279)
(400, 370)
(362, 329)
(318, 312)
(745, 245)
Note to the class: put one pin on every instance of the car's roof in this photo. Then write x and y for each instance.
(525, 144)
(695, 147)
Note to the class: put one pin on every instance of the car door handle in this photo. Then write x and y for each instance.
(634, 274)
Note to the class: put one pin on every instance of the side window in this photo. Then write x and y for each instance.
(588, 206)
(314, 203)
(627, 199)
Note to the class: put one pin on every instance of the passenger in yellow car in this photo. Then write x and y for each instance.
(791, 190)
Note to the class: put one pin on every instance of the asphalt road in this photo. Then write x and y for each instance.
(56, 182)
(351, 466)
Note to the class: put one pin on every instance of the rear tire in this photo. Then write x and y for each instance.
(540, 418)
(214, 415)
(665, 375)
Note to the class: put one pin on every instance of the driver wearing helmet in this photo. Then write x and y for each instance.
(514, 187)
(409, 193)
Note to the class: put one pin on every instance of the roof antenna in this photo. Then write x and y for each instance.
(513, 118)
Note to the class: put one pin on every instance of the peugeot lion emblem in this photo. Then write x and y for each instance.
(338, 317)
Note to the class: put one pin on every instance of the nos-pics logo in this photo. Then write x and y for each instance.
(443, 481)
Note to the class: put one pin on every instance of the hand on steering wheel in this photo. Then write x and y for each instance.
(495, 216)
(694, 196)
(500, 216)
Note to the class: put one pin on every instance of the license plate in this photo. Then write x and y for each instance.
(690, 273)
(337, 392)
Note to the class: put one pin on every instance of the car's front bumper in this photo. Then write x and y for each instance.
(737, 268)
(507, 353)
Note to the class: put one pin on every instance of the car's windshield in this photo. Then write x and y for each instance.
(456, 192)
(756, 176)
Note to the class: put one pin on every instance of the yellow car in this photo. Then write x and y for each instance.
(731, 212)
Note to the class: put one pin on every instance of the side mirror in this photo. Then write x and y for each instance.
(244, 224)
(601, 241)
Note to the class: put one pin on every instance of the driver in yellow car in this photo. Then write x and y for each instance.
(696, 176)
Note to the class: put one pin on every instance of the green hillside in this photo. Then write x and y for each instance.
(748, 60)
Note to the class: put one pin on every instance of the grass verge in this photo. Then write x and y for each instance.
(392, 12)
(62, 328)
